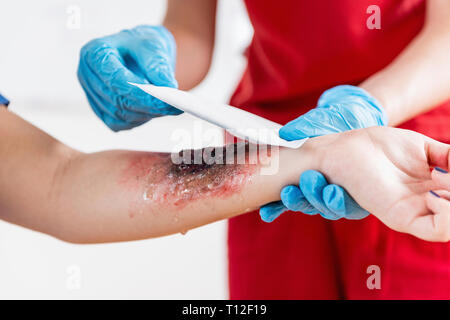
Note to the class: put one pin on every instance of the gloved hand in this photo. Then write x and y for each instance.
(339, 109)
(145, 54)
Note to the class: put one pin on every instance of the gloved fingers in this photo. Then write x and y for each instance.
(134, 99)
(359, 101)
(337, 200)
(316, 122)
(156, 55)
(154, 59)
(293, 198)
(95, 101)
(113, 123)
(312, 184)
(117, 78)
(102, 101)
(161, 38)
(272, 211)
(339, 93)
(155, 65)
(113, 82)
(339, 109)
(170, 44)
(119, 125)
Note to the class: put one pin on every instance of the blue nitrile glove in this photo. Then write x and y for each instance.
(145, 54)
(339, 109)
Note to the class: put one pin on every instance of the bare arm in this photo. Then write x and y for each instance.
(419, 78)
(193, 25)
(124, 195)
(119, 195)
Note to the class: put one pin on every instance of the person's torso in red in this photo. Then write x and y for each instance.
(301, 48)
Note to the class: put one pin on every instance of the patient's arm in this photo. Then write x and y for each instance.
(124, 195)
(120, 195)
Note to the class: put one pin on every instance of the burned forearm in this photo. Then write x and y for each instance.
(122, 195)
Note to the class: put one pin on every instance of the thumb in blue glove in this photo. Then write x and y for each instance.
(145, 54)
(314, 196)
(339, 109)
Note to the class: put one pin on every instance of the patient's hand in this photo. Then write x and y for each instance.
(388, 172)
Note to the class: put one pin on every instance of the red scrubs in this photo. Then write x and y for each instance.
(301, 48)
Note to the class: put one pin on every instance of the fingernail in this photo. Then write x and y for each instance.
(440, 170)
(434, 194)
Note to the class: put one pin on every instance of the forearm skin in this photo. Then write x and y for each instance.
(124, 195)
(419, 78)
(192, 24)
(184, 196)
(159, 197)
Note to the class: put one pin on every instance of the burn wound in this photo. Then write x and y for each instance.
(190, 175)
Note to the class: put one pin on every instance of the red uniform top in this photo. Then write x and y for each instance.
(301, 48)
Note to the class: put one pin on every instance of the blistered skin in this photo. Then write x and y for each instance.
(191, 175)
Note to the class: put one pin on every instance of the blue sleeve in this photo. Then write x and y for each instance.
(3, 100)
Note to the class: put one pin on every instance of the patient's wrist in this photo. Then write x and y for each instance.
(293, 162)
(310, 156)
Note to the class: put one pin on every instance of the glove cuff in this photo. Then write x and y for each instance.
(335, 94)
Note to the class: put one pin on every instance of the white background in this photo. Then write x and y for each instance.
(38, 62)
